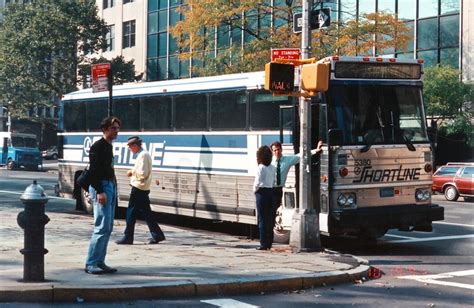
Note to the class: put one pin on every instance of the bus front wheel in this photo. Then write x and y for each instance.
(86, 202)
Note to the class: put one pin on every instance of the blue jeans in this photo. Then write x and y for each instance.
(140, 203)
(103, 223)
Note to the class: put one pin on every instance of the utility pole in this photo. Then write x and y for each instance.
(304, 234)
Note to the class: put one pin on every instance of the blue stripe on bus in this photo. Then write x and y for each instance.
(209, 169)
(201, 141)
(204, 152)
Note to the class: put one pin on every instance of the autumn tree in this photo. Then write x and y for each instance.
(41, 44)
(226, 52)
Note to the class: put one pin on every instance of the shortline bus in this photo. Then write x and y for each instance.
(203, 133)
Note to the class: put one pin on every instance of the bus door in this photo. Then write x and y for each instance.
(290, 140)
(319, 163)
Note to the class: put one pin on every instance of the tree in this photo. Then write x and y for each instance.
(41, 44)
(448, 103)
(196, 37)
(123, 71)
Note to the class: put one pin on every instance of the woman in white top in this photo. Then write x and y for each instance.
(263, 188)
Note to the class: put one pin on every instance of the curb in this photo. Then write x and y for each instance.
(72, 293)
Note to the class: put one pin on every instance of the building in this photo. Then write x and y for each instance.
(442, 30)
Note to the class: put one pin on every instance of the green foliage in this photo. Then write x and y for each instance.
(41, 44)
(123, 71)
(448, 101)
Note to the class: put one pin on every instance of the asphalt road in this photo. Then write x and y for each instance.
(412, 269)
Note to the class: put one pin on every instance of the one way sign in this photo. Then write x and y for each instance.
(317, 19)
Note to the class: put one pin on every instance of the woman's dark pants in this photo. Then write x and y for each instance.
(265, 216)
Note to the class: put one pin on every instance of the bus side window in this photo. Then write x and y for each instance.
(265, 109)
(228, 110)
(191, 111)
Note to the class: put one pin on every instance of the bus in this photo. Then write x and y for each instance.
(19, 150)
(203, 133)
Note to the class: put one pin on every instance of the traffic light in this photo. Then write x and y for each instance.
(315, 77)
(279, 77)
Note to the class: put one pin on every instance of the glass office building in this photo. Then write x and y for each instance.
(435, 26)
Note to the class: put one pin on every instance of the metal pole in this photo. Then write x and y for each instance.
(305, 225)
(110, 85)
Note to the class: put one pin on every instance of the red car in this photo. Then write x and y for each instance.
(454, 180)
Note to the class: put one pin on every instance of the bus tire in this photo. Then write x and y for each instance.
(10, 164)
(451, 193)
(86, 202)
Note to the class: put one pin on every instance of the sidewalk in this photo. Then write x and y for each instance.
(188, 263)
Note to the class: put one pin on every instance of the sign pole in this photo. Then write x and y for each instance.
(304, 234)
(110, 86)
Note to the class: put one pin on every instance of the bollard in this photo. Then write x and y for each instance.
(33, 220)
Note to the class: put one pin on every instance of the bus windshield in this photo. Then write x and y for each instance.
(370, 114)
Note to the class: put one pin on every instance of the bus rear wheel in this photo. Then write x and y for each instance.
(86, 201)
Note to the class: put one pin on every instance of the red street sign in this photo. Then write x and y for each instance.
(286, 53)
(100, 77)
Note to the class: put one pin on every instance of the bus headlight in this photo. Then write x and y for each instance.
(346, 200)
(422, 195)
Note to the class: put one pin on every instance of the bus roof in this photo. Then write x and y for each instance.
(253, 80)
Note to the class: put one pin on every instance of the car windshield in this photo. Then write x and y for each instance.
(377, 113)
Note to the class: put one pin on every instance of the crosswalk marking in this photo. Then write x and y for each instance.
(228, 303)
(436, 279)
(453, 224)
(436, 238)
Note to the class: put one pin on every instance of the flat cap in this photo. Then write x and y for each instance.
(134, 140)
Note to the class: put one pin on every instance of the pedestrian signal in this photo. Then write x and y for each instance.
(279, 77)
(315, 77)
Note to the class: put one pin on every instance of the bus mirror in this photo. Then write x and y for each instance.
(315, 77)
(335, 136)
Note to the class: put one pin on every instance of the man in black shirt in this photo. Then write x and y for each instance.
(103, 193)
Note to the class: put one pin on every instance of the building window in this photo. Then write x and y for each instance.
(129, 34)
(110, 38)
(127, 1)
(108, 3)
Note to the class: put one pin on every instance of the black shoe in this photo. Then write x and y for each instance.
(153, 241)
(262, 248)
(94, 270)
(124, 241)
(107, 269)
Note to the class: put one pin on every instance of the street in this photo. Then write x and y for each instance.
(412, 269)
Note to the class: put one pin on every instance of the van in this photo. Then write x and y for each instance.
(19, 150)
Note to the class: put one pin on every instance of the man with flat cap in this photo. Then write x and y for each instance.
(139, 202)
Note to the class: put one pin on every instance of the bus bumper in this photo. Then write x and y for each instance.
(403, 217)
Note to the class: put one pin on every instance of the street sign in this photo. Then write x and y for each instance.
(100, 77)
(317, 20)
(286, 53)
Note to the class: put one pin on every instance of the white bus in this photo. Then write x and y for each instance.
(203, 134)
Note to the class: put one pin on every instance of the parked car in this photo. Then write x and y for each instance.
(51, 153)
(455, 180)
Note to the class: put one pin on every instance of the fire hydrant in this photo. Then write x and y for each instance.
(33, 220)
